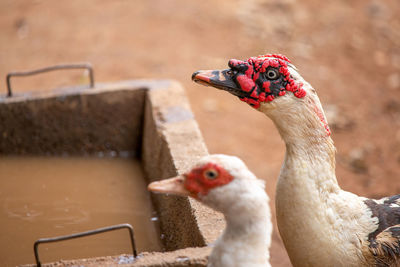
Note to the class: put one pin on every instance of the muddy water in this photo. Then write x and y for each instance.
(46, 197)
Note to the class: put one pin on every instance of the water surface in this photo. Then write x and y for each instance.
(46, 197)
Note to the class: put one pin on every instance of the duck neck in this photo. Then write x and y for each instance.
(315, 154)
(304, 129)
(308, 172)
(307, 183)
(311, 163)
(248, 224)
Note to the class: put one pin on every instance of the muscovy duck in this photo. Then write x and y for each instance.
(320, 224)
(225, 184)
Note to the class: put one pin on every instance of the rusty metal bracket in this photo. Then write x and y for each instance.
(87, 66)
(83, 234)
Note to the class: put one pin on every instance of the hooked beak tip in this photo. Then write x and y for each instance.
(194, 75)
(202, 77)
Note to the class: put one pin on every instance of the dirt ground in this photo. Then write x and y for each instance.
(348, 50)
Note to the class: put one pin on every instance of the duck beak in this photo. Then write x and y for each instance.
(173, 185)
(220, 79)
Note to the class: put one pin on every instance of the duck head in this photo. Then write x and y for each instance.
(216, 180)
(271, 84)
(256, 80)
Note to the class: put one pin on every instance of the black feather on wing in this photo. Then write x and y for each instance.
(384, 242)
(386, 249)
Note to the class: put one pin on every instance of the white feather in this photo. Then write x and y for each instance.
(320, 224)
(244, 203)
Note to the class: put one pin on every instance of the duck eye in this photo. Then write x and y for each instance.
(230, 72)
(272, 74)
(211, 174)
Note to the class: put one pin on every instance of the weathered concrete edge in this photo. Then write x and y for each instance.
(99, 88)
(193, 257)
(210, 223)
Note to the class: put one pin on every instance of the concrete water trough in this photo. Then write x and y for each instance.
(148, 120)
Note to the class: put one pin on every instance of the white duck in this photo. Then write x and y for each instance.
(225, 184)
(320, 224)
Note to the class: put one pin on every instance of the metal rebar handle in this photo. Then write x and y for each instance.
(87, 66)
(82, 234)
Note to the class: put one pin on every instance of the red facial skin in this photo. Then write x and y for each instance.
(257, 65)
(198, 183)
(260, 64)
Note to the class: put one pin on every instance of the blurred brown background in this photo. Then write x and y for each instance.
(348, 50)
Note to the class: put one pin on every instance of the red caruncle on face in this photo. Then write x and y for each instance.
(201, 180)
(264, 78)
